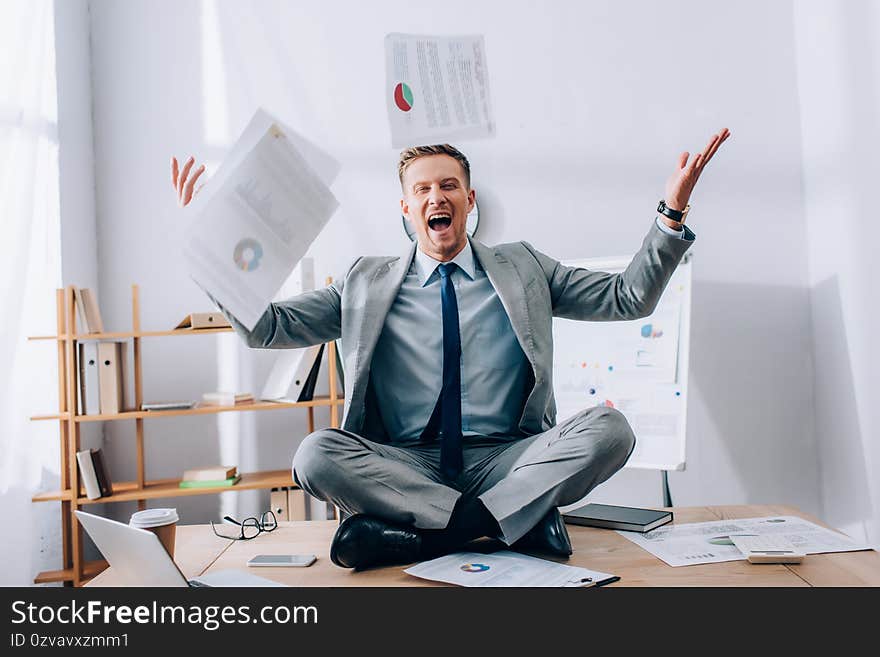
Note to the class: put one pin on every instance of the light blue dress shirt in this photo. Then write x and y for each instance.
(684, 234)
(407, 365)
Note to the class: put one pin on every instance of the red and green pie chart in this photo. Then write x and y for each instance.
(403, 97)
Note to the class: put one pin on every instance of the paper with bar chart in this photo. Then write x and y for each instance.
(436, 89)
(257, 217)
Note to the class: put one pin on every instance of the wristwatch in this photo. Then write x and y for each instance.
(675, 215)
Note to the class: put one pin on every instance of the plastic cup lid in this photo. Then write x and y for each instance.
(153, 518)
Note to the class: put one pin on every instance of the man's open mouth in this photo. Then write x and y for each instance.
(439, 222)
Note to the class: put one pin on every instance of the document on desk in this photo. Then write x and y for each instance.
(257, 216)
(436, 89)
(709, 542)
(506, 569)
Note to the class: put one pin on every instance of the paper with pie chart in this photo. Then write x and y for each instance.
(506, 569)
(436, 89)
(256, 218)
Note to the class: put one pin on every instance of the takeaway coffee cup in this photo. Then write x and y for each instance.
(162, 522)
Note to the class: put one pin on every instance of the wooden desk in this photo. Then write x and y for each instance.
(199, 551)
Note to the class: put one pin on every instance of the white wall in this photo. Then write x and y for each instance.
(35, 545)
(79, 248)
(839, 86)
(76, 164)
(593, 103)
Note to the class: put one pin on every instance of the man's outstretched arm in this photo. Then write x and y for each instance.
(589, 295)
(302, 321)
(307, 319)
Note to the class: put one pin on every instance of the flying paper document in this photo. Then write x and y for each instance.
(257, 216)
(436, 89)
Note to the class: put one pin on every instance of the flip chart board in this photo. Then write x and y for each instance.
(639, 367)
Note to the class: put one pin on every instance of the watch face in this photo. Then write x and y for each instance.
(473, 222)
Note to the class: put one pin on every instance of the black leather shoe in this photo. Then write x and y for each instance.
(363, 541)
(548, 536)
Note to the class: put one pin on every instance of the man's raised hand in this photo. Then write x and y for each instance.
(184, 180)
(681, 183)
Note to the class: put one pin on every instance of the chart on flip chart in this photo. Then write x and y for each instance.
(639, 367)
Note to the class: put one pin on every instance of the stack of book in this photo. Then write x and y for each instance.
(210, 477)
(227, 398)
(94, 474)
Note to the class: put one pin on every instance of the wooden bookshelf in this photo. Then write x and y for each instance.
(75, 569)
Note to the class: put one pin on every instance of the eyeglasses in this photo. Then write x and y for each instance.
(249, 527)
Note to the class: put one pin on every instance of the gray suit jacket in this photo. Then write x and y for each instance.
(532, 287)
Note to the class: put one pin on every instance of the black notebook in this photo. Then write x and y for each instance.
(626, 518)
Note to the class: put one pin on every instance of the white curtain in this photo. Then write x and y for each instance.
(30, 271)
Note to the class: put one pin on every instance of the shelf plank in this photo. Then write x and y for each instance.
(56, 416)
(90, 569)
(207, 410)
(198, 410)
(128, 490)
(117, 335)
(187, 331)
(111, 335)
(52, 496)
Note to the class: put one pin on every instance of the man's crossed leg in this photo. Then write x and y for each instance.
(403, 510)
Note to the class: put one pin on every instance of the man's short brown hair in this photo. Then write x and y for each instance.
(411, 154)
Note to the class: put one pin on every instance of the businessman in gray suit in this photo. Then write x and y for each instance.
(450, 430)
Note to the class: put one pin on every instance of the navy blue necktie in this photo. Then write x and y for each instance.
(447, 410)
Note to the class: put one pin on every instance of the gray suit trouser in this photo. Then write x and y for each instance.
(517, 479)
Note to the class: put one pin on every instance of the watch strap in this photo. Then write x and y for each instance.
(675, 215)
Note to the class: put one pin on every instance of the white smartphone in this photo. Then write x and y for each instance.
(283, 560)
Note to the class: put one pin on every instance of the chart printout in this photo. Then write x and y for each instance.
(436, 89)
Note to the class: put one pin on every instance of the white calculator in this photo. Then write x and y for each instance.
(768, 549)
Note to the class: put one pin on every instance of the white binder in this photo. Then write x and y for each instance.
(89, 400)
(112, 375)
(290, 374)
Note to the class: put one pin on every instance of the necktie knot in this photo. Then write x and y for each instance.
(445, 270)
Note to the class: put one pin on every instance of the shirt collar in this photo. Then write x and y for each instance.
(426, 265)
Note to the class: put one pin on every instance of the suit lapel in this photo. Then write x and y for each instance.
(381, 293)
(511, 291)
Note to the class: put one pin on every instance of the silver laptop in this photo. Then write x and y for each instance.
(139, 559)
